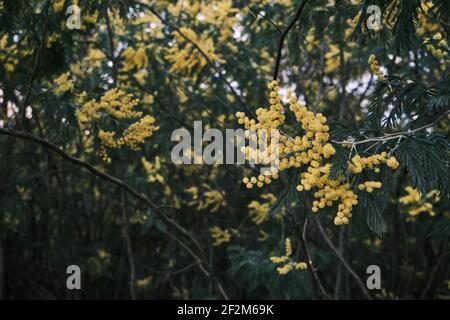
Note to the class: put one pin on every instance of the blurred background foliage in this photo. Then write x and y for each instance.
(112, 92)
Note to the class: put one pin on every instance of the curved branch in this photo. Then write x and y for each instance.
(123, 185)
(35, 64)
(258, 13)
(341, 259)
(283, 35)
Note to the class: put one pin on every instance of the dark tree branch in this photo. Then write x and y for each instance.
(312, 270)
(438, 263)
(283, 36)
(1, 268)
(123, 185)
(111, 47)
(342, 259)
(128, 248)
(35, 64)
(258, 13)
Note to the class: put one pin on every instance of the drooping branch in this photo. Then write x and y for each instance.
(312, 270)
(123, 185)
(35, 64)
(258, 13)
(283, 36)
(342, 259)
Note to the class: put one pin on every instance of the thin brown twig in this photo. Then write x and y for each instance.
(342, 259)
(111, 46)
(283, 36)
(258, 13)
(128, 248)
(1, 268)
(35, 64)
(442, 255)
(301, 233)
(311, 268)
(202, 267)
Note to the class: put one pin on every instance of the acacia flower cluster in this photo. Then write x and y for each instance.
(417, 204)
(369, 186)
(63, 84)
(153, 169)
(375, 68)
(287, 260)
(120, 105)
(221, 236)
(184, 56)
(439, 48)
(137, 61)
(312, 152)
(212, 200)
(259, 211)
(358, 163)
(9, 52)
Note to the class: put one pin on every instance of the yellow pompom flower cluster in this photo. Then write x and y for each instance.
(369, 186)
(120, 105)
(392, 163)
(259, 211)
(137, 61)
(183, 55)
(134, 58)
(358, 163)
(9, 54)
(439, 52)
(153, 169)
(115, 102)
(212, 200)
(132, 137)
(137, 132)
(144, 282)
(286, 259)
(309, 151)
(375, 68)
(58, 5)
(63, 84)
(221, 236)
(418, 204)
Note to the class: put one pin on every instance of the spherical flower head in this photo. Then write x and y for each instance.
(301, 266)
(437, 36)
(392, 163)
(328, 150)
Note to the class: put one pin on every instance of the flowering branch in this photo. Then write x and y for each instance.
(197, 47)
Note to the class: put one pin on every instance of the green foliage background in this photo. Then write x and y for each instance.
(54, 213)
